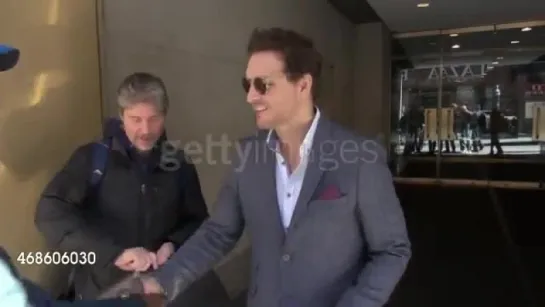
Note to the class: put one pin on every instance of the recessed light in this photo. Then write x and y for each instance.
(453, 34)
(424, 4)
(455, 46)
(526, 29)
(515, 42)
(495, 63)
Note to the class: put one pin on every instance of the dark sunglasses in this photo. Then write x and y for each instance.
(261, 85)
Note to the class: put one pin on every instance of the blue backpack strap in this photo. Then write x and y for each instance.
(100, 158)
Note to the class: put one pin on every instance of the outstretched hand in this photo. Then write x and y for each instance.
(136, 259)
(164, 252)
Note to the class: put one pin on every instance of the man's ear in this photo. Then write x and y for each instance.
(305, 83)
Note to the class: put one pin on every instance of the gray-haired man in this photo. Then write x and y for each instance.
(142, 208)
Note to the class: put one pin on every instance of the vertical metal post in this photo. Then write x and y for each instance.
(498, 96)
(399, 129)
(439, 119)
(103, 83)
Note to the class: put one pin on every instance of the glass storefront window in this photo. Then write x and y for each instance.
(479, 88)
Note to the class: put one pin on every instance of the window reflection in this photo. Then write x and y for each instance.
(490, 81)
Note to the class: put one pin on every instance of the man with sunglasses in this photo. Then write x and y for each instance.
(318, 201)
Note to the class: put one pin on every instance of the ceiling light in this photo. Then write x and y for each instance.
(515, 42)
(499, 58)
(526, 29)
(455, 46)
(453, 34)
(424, 4)
(495, 63)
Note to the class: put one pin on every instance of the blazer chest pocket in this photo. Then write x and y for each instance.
(340, 205)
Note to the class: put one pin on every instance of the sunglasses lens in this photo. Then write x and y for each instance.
(260, 86)
(246, 85)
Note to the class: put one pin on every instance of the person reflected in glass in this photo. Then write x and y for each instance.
(496, 120)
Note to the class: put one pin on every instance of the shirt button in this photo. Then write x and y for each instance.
(286, 257)
(289, 195)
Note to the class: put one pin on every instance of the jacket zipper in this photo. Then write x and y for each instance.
(144, 205)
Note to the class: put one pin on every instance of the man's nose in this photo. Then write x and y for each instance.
(145, 128)
(252, 96)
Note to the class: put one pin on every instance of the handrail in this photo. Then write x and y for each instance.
(521, 185)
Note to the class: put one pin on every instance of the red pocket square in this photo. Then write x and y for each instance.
(330, 193)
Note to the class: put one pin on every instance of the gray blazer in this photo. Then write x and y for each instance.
(347, 244)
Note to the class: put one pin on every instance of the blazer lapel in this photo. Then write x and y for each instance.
(313, 173)
(266, 182)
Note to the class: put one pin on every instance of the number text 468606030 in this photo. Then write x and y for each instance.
(57, 258)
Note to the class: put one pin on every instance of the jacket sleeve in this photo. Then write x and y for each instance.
(388, 246)
(193, 210)
(60, 211)
(216, 237)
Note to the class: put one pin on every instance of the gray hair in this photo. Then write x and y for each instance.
(142, 87)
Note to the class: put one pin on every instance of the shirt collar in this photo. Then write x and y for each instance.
(306, 146)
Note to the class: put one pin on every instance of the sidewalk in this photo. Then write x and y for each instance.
(520, 141)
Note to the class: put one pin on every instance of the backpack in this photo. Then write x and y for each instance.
(100, 152)
(99, 160)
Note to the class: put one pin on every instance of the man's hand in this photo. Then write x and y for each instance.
(164, 252)
(136, 259)
(151, 286)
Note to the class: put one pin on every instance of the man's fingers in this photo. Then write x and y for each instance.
(139, 263)
(142, 266)
(124, 264)
(120, 261)
(151, 286)
(147, 262)
(154, 261)
(161, 261)
(127, 267)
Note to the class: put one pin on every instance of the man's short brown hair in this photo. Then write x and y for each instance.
(298, 52)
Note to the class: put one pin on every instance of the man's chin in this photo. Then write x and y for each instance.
(264, 125)
(144, 147)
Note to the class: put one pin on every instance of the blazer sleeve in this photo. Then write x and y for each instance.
(384, 228)
(216, 237)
